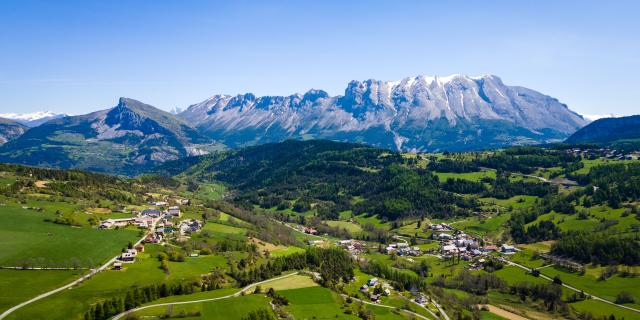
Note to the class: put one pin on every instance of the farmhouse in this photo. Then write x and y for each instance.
(507, 249)
(174, 211)
(154, 213)
(445, 236)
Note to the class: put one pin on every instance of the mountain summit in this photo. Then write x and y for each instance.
(423, 113)
(125, 139)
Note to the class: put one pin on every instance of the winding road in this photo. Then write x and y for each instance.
(233, 295)
(75, 282)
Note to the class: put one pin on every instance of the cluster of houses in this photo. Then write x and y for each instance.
(354, 247)
(144, 219)
(402, 249)
(307, 230)
(467, 247)
(613, 154)
(372, 283)
(189, 226)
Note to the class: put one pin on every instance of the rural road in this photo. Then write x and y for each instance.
(386, 306)
(75, 282)
(201, 300)
(575, 289)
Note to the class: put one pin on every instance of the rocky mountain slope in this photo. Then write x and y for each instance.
(417, 113)
(125, 139)
(10, 130)
(608, 130)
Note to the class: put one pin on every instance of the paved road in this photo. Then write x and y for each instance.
(237, 294)
(388, 307)
(575, 289)
(75, 282)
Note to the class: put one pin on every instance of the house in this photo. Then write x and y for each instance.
(117, 266)
(505, 248)
(449, 249)
(106, 224)
(364, 288)
(445, 236)
(489, 248)
(420, 299)
(140, 248)
(155, 213)
(309, 230)
(161, 203)
(129, 255)
(174, 211)
(386, 292)
(372, 282)
(374, 297)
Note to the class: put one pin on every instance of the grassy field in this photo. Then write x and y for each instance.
(349, 226)
(71, 304)
(292, 282)
(473, 176)
(607, 289)
(223, 228)
(210, 191)
(26, 238)
(285, 251)
(20, 285)
(314, 303)
(231, 308)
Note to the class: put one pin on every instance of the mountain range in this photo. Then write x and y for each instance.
(454, 113)
(33, 119)
(414, 114)
(126, 139)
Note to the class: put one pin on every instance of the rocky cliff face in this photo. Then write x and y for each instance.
(10, 130)
(418, 113)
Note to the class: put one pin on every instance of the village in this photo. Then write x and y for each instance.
(161, 221)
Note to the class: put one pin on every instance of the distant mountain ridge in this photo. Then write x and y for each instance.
(608, 130)
(126, 139)
(33, 119)
(421, 113)
(10, 129)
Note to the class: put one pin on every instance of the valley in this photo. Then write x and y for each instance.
(239, 234)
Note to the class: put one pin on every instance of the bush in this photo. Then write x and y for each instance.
(625, 297)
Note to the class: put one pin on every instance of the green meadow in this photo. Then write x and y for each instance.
(17, 286)
(25, 238)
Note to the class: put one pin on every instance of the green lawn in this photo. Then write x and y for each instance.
(26, 238)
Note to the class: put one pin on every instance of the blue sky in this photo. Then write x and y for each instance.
(76, 57)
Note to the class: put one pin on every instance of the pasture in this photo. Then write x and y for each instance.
(26, 239)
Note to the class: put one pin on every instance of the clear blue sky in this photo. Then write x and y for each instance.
(79, 56)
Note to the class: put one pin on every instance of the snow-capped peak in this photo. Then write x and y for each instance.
(32, 119)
